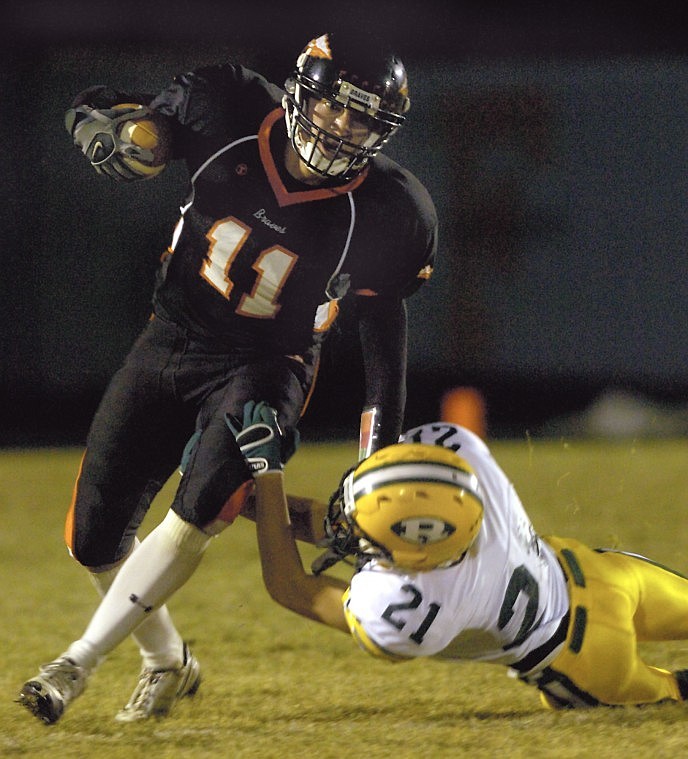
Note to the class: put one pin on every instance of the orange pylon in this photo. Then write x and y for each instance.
(465, 406)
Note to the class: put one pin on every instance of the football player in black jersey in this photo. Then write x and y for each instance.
(290, 209)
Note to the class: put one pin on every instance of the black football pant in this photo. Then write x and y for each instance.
(171, 385)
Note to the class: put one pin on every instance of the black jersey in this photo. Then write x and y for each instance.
(259, 259)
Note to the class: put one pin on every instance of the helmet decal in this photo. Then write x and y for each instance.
(319, 47)
(422, 530)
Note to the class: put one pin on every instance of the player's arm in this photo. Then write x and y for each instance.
(288, 583)
(264, 443)
(306, 516)
(404, 262)
(382, 324)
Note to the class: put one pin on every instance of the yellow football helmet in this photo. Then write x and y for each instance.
(414, 506)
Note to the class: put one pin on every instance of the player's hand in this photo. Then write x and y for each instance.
(261, 439)
(96, 133)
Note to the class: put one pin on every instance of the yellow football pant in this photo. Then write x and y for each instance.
(616, 600)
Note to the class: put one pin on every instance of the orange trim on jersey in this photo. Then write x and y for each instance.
(364, 291)
(235, 502)
(332, 314)
(311, 389)
(69, 521)
(283, 196)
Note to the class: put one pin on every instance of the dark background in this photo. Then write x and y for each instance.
(552, 137)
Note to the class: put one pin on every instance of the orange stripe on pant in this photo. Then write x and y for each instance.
(69, 521)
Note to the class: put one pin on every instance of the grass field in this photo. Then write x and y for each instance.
(278, 686)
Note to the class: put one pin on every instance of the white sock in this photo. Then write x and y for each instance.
(160, 645)
(163, 562)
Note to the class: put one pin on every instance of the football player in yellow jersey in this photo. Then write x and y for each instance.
(449, 565)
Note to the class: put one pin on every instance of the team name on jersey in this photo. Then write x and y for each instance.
(262, 216)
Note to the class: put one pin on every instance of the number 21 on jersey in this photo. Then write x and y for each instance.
(273, 266)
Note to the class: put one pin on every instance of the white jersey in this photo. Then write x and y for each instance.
(504, 599)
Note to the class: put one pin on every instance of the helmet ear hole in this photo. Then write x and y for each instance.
(290, 85)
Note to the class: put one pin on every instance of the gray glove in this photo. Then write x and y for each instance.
(261, 439)
(95, 132)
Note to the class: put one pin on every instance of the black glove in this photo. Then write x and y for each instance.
(261, 439)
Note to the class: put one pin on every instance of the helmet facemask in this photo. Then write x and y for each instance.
(323, 151)
(344, 540)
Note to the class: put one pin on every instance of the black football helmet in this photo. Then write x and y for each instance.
(346, 73)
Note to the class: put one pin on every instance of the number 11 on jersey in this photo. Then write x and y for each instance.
(273, 267)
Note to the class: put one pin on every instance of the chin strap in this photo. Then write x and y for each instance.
(369, 433)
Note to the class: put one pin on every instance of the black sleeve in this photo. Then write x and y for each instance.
(399, 246)
(382, 324)
(217, 100)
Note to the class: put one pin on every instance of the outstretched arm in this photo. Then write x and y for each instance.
(316, 597)
(262, 442)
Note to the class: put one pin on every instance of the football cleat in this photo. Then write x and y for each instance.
(48, 694)
(159, 689)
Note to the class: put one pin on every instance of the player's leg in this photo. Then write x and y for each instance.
(658, 610)
(212, 460)
(211, 493)
(662, 612)
(599, 663)
(132, 448)
(169, 669)
(158, 641)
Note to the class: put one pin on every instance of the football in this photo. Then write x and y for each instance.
(148, 133)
